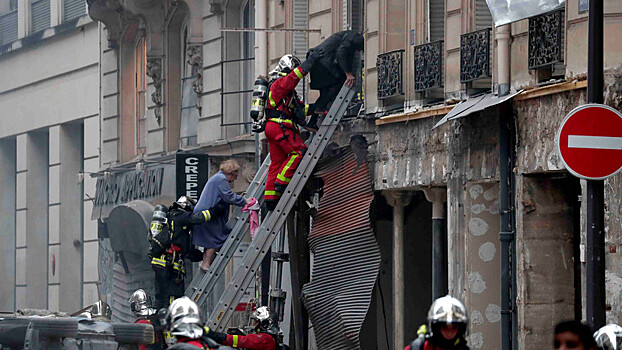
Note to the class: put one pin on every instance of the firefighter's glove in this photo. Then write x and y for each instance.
(299, 113)
(307, 65)
(218, 337)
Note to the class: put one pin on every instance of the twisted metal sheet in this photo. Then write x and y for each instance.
(347, 257)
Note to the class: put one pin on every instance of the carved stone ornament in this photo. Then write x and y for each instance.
(194, 55)
(110, 15)
(154, 71)
(215, 6)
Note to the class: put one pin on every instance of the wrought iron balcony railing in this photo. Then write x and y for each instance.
(545, 39)
(429, 66)
(475, 55)
(389, 66)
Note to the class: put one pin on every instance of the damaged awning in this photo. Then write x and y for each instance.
(474, 104)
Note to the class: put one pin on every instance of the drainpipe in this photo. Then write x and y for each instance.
(438, 197)
(261, 59)
(506, 234)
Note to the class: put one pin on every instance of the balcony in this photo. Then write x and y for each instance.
(545, 39)
(475, 55)
(389, 66)
(429, 66)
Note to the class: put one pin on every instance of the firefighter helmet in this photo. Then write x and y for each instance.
(185, 203)
(140, 303)
(447, 310)
(286, 64)
(262, 316)
(183, 318)
(101, 311)
(609, 337)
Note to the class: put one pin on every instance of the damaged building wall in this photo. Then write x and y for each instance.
(547, 229)
(537, 121)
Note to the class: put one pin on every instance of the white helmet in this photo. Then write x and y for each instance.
(262, 316)
(609, 337)
(140, 303)
(185, 203)
(447, 310)
(183, 318)
(286, 64)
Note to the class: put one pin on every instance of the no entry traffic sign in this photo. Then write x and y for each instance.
(589, 141)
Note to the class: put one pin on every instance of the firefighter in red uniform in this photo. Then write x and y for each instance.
(184, 323)
(447, 321)
(140, 304)
(284, 113)
(265, 337)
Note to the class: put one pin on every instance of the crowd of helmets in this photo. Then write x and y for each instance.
(182, 318)
(447, 325)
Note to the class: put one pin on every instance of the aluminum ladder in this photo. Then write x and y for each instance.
(203, 283)
(270, 227)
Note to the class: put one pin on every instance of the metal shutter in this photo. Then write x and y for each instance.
(40, 11)
(73, 9)
(483, 18)
(343, 244)
(300, 38)
(352, 15)
(8, 28)
(437, 20)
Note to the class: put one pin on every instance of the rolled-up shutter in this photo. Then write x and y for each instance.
(483, 18)
(8, 28)
(300, 11)
(73, 9)
(40, 11)
(437, 20)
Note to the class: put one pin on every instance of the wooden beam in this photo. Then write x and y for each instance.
(420, 114)
(551, 89)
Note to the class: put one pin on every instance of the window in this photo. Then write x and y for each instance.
(189, 110)
(248, 66)
(73, 9)
(8, 24)
(429, 63)
(40, 15)
(141, 87)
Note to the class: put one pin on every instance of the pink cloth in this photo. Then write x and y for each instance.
(253, 207)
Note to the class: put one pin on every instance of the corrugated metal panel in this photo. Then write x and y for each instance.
(8, 28)
(40, 11)
(300, 15)
(73, 9)
(483, 18)
(140, 276)
(346, 255)
(437, 20)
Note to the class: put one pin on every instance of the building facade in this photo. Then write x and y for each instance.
(49, 69)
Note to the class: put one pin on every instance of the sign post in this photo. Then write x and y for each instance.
(595, 269)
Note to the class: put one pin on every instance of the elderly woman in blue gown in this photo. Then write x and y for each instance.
(217, 191)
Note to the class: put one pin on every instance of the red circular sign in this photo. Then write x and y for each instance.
(589, 141)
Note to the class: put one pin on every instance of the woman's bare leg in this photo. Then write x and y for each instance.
(208, 256)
